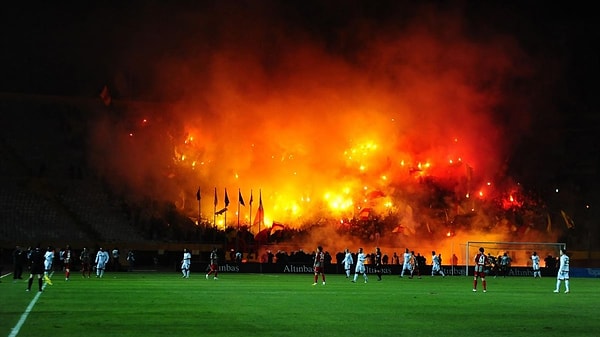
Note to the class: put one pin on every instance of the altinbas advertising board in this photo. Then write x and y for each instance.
(302, 268)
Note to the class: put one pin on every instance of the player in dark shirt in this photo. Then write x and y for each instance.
(36, 260)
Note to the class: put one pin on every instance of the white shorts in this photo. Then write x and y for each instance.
(562, 275)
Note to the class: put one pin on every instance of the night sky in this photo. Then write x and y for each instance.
(74, 50)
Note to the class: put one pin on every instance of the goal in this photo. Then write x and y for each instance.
(519, 252)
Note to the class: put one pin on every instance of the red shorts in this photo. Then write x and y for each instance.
(214, 267)
(319, 270)
(480, 274)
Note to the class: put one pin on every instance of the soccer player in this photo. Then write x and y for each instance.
(378, 263)
(214, 264)
(37, 260)
(481, 261)
(436, 266)
(67, 262)
(563, 272)
(406, 265)
(505, 264)
(347, 261)
(101, 260)
(61, 259)
(319, 265)
(360, 266)
(535, 263)
(185, 263)
(48, 259)
(85, 262)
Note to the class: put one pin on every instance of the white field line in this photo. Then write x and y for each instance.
(15, 330)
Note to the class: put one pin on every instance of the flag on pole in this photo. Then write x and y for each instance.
(276, 227)
(240, 199)
(251, 199)
(364, 213)
(226, 199)
(216, 200)
(198, 194)
(263, 235)
(260, 214)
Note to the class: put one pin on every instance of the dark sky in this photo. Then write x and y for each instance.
(74, 49)
(54, 48)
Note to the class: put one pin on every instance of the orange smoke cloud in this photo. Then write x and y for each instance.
(318, 128)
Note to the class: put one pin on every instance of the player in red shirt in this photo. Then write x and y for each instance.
(481, 261)
(214, 264)
(319, 265)
(67, 262)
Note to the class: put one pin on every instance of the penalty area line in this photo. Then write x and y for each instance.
(15, 330)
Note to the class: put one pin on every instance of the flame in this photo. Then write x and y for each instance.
(411, 115)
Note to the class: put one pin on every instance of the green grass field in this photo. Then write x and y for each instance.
(164, 304)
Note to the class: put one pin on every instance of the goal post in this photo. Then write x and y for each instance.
(519, 252)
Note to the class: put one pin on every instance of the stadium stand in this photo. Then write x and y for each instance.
(45, 193)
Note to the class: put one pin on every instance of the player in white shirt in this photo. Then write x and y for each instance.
(436, 265)
(347, 262)
(185, 263)
(360, 266)
(407, 265)
(48, 259)
(563, 272)
(101, 260)
(535, 263)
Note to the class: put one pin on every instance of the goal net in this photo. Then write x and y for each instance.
(519, 252)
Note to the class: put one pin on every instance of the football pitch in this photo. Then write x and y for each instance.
(164, 304)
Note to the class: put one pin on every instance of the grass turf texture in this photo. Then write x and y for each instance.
(161, 304)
